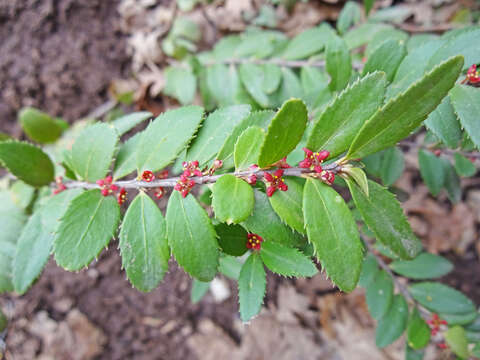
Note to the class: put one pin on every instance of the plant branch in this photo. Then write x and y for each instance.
(206, 179)
(400, 287)
(412, 144)
(279, 62)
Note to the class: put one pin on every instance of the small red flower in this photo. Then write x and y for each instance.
(106, 186)
(163, 174)
(437, 152)
(190, 168)
(274, 182)
(282, 163)
(313, 161)
(148, 176)
(159, 192)
(327, 177)
(217, 164)
(254, 241)
(473, 75)
(122, 196)
(184, 185)
(60, 185)
(435, 324)
(442, 346)
(252, 179)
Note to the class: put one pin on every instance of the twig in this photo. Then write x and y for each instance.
(206, 179)
(412, 144)
(400, 287)
(415, 29)
(279, 62)
(209, 21)
(102, 109)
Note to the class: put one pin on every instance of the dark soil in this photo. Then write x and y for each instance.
(137, 325)
(59, 56)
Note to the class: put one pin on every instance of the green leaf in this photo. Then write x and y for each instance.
(289, 88)
(333, 232)
(166, 137)
(232, 239)
(452, 182)
(93, 151)
(424, 266)
(127, 122)
(87, 227)
(12, 219)
(465, 44)
(359, 176)
(252, 78)
(256, 118)
(459, 319)
(457, 341)
(418, 332)
(143, 243)
(191, 237)
(464, 166)
(368, 4)
(369, 271)
(350, 15)
(444, 124)
(382, 213)
(266, 223)
(401, 115)
(339, 63)
(288, 204)
(286, 129)
(307, 43)
(126, 161)
(199, 290)
(251, 287)
(247, 147)
(412, 354)
(36, 241)
(441, 298)
(393, 324)
(286, 261)
(379, 294)
(341, 120)
(22, 194)
(272, 76)
(392, 165)
(225, 86)
(364, 33)
(230, 267)
(215, 129)
(27, 162)
(232, 199)
(180, 83)
(431, 170)
(39, 126)
(387, 58)
(466, 102)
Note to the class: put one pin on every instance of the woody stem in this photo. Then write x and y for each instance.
(206, 179)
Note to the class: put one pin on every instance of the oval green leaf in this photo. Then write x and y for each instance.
(418, 332)
(380, 294)
(191, 237)
(143, 243)
(466, 102)
(232, 239)
(424, 266)
(251, 287)
(232, 199)
(393, 324)
(39, 126)
(247, 147)
(289, 204)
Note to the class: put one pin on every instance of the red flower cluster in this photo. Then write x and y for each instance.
(275, 182)
(163, 174)
(313, 161)
(473, 75)
(184, 185)
(217, 164)
(254, 241)
(148, 176)
(327, 177)
(60, 185)
(191, 168)
(159, 192)
(282, 163)
(435, 323)
(122, 196)
(106, 185)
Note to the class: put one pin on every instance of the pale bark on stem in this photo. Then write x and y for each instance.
(206, 179)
